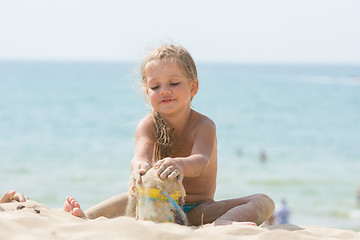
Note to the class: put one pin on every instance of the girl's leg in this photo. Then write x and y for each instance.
(110, 208)
(255, 208)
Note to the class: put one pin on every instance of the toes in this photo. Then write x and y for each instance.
(77, 212)
(72, 202)
(76, 205)
(72, 206)
(67, 207)
(70, 199)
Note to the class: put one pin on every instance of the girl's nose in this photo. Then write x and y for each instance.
(165, 90)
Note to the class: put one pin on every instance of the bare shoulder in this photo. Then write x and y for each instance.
(203, 122)
(145, 126)
(146, 121)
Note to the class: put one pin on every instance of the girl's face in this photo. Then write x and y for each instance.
(168, 88)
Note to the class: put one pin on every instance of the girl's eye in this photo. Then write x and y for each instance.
(174, 84)
(154, 88)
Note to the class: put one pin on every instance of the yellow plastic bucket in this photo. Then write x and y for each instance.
(157, 206)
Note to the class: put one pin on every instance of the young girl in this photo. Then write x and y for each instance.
(182, 143)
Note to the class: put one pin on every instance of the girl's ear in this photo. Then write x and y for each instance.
(194, 87)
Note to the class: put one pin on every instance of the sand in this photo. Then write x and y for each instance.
(151, 203)
(32, 220)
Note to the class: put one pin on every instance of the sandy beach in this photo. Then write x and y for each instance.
(32, 220)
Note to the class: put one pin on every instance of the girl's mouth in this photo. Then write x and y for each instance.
(167, 100)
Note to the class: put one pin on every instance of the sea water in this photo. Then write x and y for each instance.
(67, 128)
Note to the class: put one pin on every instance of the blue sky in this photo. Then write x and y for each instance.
(306, 31)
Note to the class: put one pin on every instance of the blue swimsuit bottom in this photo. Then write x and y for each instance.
(188, 207)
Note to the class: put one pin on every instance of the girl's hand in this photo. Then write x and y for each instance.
(170, 168)
(139, 168)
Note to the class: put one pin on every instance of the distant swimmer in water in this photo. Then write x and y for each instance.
(263, 156)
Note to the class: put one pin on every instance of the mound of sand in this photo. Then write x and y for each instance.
(152, 180)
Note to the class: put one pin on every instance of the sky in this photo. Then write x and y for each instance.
(252, 31)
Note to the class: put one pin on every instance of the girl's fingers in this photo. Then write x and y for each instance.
(144, 168)
(173, 174)
(136, 177)
(180, 178)
(164, 168)
(165, 173)
(132, 191)
(159, 163)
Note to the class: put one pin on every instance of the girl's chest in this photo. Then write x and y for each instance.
(183, 147)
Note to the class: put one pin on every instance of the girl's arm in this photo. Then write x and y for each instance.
(204, 145)
(144, 147)
(193, 165)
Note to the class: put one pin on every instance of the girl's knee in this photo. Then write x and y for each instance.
(266, 201)
(266, 198)
(265, 204)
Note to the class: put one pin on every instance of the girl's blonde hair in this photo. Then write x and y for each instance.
(164, 139)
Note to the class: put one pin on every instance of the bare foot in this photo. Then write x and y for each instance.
(7, 197)
(220, 222)
(12, 195)
(73, 207)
